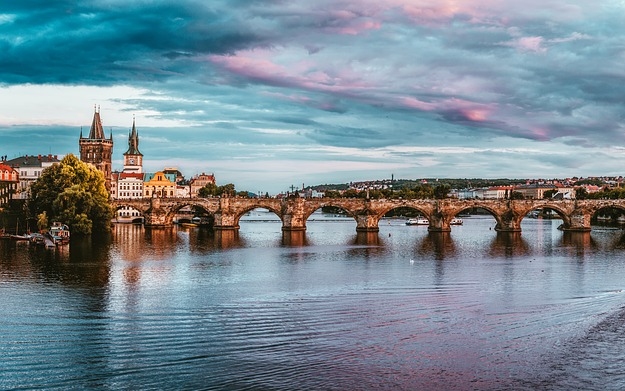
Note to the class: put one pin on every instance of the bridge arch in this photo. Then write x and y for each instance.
(141, 207)
(240, 212)
(173, 210)
(332, 202)
(563, 211)
(493, 209)
(606, 205)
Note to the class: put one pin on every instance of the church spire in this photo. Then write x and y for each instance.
(133, 141)
(96, 132)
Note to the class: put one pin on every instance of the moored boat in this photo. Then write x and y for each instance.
(456, 221)
(37, 238)
(418, 221)
(59, 233)
(20, 237)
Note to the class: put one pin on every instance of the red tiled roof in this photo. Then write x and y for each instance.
(4, 167)
(125, 175)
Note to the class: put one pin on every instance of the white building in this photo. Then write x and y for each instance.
(29, 169)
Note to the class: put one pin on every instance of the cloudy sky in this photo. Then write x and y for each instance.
(270, 93)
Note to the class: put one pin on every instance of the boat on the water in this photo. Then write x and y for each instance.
(59, 233)
(418, 221)
(37, 238)
(20, 237)
(456, 221)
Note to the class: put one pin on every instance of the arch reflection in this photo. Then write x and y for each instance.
(508, 244)
(577, 242)
(441, 244)
(228, 238)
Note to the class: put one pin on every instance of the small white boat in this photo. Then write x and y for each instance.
(418, 221)
(59, 233)
(456, 221)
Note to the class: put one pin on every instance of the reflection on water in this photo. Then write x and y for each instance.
(509, 244)
(329, 308)
(294, 238)
(441, 244)
(367, 239)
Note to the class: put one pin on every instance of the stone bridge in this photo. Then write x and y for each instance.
(294, 212)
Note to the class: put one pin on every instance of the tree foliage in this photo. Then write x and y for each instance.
(581, 193)
(74, 193)
(517, 195)
(605, 194)
(212, 190)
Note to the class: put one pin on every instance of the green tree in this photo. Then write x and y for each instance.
(550, 193)
(227, 190)
(517, 195)
(42, 221)
(581, 193)
(209, 190)
(441, 191)
(74, 193)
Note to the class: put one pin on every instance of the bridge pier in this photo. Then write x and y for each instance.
(578, 222)
(225, 222)
(508, 222)
(438, 222)
(367, 223)
(225, 218)
(293, 216)
(156, 216)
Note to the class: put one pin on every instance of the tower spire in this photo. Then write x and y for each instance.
(96, 131)
(133, 140)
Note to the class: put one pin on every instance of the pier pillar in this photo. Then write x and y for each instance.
(508, 222)
(579, 221)
(225, 217)
(294, 217)
(156, 215)
(439, 223)
(367, 223)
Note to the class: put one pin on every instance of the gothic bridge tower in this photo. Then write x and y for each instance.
(97, 149)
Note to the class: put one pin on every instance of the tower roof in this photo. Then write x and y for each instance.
(96, 132)
(133, 141)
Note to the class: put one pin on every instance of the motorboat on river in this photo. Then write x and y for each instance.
(59, 233)
(456, 221)
(418, 221)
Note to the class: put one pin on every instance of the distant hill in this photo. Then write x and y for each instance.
(454, 183)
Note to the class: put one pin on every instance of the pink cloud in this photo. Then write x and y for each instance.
(529, 44)
(476, 115)
(358, 27)
(414, 103)
(472, 111)
(262, 65)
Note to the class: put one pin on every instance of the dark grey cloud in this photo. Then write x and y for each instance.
(107, 42)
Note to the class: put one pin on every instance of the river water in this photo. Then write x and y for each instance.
(402, 309)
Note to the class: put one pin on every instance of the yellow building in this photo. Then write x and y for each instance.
(159, 185)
